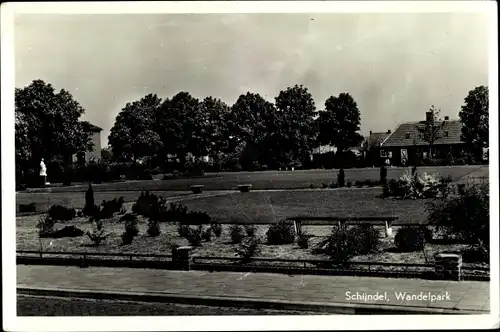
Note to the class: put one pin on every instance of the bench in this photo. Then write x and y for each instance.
(197, 189)
(244, 188)
(385, 221)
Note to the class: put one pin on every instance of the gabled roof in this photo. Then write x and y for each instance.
(407, 134)
(89, 127)
(377, 137)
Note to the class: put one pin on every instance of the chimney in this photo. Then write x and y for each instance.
(370, 132)
(446, 118)
(389, 131)
(429, 116)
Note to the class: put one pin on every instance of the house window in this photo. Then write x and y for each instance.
(407, 135)
(445, 134)
(383, 153)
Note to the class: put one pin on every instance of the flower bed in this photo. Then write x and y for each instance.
(27, 239)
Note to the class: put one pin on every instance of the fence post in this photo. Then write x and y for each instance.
(181, 257)
(448, 266)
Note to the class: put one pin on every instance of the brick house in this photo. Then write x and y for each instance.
(95, 136)
(404, 146)
(371, 147)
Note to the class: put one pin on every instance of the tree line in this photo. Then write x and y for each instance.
(252, 131)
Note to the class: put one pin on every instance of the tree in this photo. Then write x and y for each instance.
(183, 127)
(216, 113)
(430, 131)
(133, 134)
(339, 123)
(475, 120)
(298, 131)
(253, 124)
(47, 125)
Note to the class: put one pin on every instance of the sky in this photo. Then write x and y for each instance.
(394, 65)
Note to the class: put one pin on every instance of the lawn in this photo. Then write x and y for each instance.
(273, 179)
(271, 206)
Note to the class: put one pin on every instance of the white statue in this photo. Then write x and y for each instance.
(43, 173)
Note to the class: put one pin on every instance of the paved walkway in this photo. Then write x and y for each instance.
(465, 295)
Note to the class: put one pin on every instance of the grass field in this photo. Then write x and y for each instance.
(274, 179)
(270, 206)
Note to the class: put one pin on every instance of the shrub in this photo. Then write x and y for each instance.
(143, 204)
(444, 187)
(176, 212)
(324, 185)
(58, 212)
(66, 231)
(127, 238)
(31, 207)
(45, 224)
(411, 238)
(128, 217)
(280, 233)
(395, 188)
(368, 183)
(157, 211)
(197, 218)
(131, 228)
(153, 228)
(368, 238)
(206, 235)
(109, 208)
(303, 240)
(21, 186)
(349, 184)
(250, 230)
(182, 230)
(216, 229)
(476, 254)
(97, 235)
(248, 249)
(236, 233)
(465, 216)
(194, 168)
(311, 186)
(340, 246)
(413, 186)
(386, 191)
(334, 185)
(194, 236)
(341, 178)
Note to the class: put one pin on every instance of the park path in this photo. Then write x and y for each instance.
(468, 296)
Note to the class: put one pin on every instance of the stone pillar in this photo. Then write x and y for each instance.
(448, 266)
(388, 228)
(181, 257)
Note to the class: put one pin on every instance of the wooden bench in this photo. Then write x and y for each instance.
(385, 221)
(244, 188)
(197, 188)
